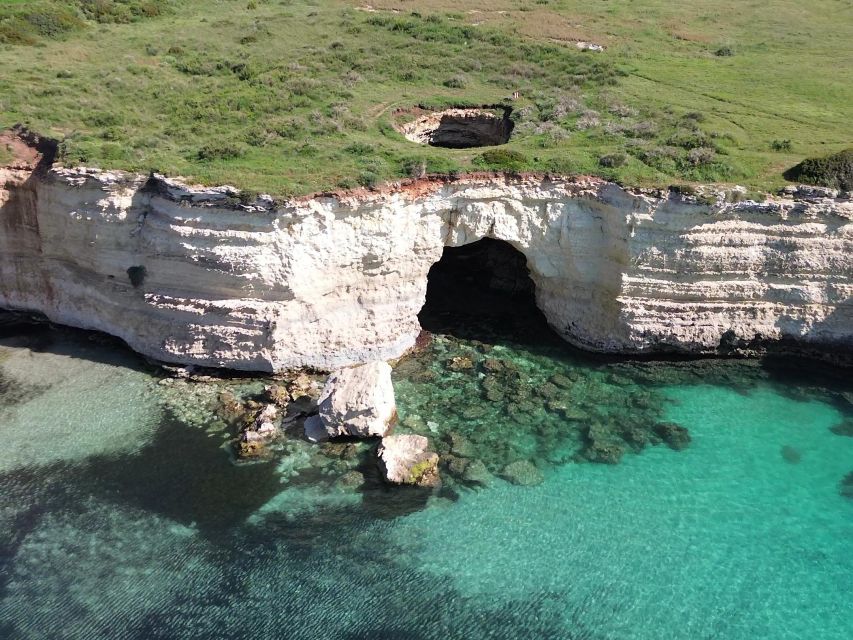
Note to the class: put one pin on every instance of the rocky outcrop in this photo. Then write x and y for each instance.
(265, 428)
(356, 401)
(406, 459)
(192, 276)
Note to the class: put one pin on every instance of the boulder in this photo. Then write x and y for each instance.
(406, 459)
(357, 401)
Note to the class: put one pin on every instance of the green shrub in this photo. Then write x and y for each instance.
(456, 82)
(502, 159)
(359, 149)
(414, 167)
(834, 171)
(781, 145)
(613, 160)
(221, 151)
(724, 52)
(368, 179)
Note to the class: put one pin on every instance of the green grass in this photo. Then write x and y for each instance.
(293, 97)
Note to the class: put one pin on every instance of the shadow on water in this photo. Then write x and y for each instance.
(185, 475)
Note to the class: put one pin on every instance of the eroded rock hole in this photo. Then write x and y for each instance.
(460, 128)
(483, 291)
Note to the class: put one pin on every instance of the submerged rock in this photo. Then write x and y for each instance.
(460, 445)
(350, 480)
(791, 455)
(357, 401)
(406, 459)
(254, 439)
(477, 473)
(674, 435)
(602, 445)
(844, 428)
(228, 407)
(460, 363)
(522, 472)
(846, 486)
(559, 380)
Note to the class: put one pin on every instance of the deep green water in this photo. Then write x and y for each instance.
(123, 517)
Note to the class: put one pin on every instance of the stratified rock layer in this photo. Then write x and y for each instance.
(337, 280)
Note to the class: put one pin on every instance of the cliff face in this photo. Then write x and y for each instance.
(331, 281)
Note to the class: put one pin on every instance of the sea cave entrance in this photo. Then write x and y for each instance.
(483, 291)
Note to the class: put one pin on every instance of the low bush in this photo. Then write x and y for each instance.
(414, 167)
(221, 151)
(456, 82)
(834, 171)
(613, 160)
(502, 159)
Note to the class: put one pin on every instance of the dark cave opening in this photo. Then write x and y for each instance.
(467, 131)
(460, 128)
(483, 291)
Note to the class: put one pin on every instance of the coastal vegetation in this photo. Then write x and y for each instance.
(291, 97)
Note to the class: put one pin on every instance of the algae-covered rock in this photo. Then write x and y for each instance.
(277, 394)
(406, 459)
(265, 428)
(522, 472)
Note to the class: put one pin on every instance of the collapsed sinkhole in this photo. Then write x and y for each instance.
(460, 128)
(483, 291)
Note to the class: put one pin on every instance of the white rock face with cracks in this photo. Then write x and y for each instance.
(333, 281)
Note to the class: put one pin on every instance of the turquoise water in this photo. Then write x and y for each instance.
(124, 516)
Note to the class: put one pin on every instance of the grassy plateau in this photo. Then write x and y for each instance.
(291, 97)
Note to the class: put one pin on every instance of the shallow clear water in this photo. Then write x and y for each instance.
(124, 517)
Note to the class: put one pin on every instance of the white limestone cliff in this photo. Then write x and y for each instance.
(332, 281)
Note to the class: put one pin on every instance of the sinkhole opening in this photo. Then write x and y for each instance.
(483, 291)
(460, 128)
